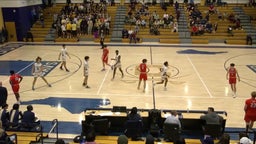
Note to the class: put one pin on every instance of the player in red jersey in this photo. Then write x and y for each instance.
(105, 57)
(143, 73)
(15, 80)
(232, 76)
(250, 111)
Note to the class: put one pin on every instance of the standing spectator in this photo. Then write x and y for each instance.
(41, 18)
(231, 76)
(105, 57)
(117, 64)
(249, 39)
(86, 71)
(164, 75)
(29, 120)
(15, 116)
(15, 80)
(250, 111)
(37, 71)
(3, 94)
(143, 74)
(63, 56)
(5, 117)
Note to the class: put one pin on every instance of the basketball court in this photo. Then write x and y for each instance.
(197, 79)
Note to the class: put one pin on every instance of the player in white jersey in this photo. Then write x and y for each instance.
(86, 71)
(117, 64)
(63, 56)
(164, 75)
(37, 71)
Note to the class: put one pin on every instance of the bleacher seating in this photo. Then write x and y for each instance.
(26, 137)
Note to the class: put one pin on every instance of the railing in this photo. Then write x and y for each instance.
(40, 135)
(55, 126)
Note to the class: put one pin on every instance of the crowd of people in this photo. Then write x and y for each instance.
(86, 18)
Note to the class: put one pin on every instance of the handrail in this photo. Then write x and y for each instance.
(40, 135)
(55, 126)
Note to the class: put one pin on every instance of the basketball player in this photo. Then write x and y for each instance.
(164, 75)
(86, 71)
(15, 80)
(143, 73)
(37, 71)
(117, 64)
(105, 57)
(63, 55)
(232, 76)
(250, 111)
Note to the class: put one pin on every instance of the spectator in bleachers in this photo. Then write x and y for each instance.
(208, 27)
(150, 139)
(224, 139)
(29, 120)
(132, 37)
(244, 139)
(230, 31)
(249, 39)
(60, 141)
(176, 5)
(5, 116)
(4, 136)
(211, 9)
(125, 33)
(90, 138)
(175, 27)
(194, 30)
(143, 23)
(15, 116)
(122, 139)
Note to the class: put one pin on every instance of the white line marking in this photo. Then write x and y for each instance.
(104, 79)
(197, 73)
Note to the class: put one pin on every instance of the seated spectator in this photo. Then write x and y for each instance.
(132, 37)
(211, 117)
(4, 136)
(125, 33)
(122, 139)
(133, 115)
(224, 139)
(29, 120)
(15, 116)
(29, 35)
(180, 141)
(90, 138)
(208, 27)
(194, 30)
(230, 31)
(249, 39)
(150, 139)
(211, 9)
(5, 117)
(243, 138)
(143, 23)
(207, 140)
(175, 27)
(173, 118)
